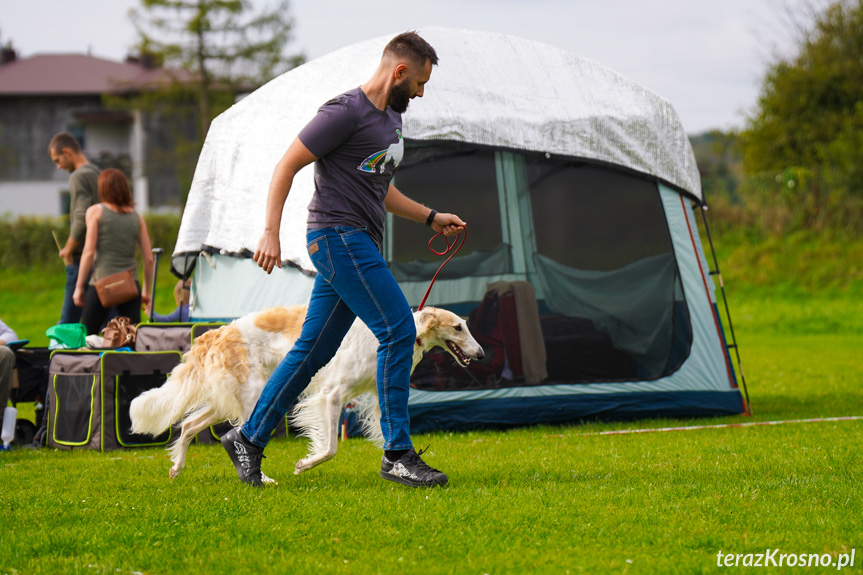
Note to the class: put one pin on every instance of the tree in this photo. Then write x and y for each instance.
(226, 46)
(718, 159)
(207, 53)
(805, 131)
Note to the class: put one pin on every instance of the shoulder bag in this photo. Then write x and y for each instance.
(117, 288)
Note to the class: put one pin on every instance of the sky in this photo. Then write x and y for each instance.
(707, 58)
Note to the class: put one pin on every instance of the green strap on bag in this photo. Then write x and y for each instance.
(68, 335)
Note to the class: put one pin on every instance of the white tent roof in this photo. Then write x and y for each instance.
(489, 89)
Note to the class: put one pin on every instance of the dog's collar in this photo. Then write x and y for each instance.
(419, 342)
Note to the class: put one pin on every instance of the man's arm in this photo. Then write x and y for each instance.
(399, 204)
(77, 219)
(269, 252)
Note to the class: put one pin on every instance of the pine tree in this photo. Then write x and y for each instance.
(209, 52)
(226, 46)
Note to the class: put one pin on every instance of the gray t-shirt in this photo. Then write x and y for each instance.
(358, 148)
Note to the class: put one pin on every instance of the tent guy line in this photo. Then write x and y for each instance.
(724, 425)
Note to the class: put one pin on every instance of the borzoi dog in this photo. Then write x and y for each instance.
(224, 373)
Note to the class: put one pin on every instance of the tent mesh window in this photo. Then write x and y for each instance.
(127, 388)
(613, 306)
(448, 179)
(591, 289)
(74, 396)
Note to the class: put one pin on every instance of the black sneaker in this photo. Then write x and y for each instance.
(245, 456)
(411, 470)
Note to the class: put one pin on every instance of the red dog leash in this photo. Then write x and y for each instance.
(443, 253)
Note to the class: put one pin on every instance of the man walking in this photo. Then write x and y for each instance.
(66, 153)
(356, 143)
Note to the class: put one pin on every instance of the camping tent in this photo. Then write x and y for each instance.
(583, 275)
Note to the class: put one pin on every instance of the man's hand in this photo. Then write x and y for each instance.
(269, 252)
(66, 256)
(67, 252)
(449, 224)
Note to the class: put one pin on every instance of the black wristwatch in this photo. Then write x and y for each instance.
(430, 219)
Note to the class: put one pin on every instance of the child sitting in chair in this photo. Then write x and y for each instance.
(181, 296)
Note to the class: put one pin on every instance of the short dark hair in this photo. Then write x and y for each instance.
(114, 188)
(411, 45)
(64, 140)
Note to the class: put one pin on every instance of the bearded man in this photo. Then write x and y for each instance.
(355, 141)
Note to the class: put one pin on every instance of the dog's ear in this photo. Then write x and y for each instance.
(427, 320)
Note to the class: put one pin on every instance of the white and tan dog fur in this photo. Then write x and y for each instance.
(222, 376)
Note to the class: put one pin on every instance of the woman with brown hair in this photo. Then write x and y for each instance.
(114, 229)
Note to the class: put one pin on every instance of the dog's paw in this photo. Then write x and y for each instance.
(268, 480)
(174, 472)
(302, 465)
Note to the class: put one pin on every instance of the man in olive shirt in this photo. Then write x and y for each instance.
(84, 192)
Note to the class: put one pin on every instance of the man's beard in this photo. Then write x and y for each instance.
(400, 97)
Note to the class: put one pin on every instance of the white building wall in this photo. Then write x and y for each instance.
(39, 198)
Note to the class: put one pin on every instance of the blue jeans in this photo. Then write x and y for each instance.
(70, 313)
(353, 281)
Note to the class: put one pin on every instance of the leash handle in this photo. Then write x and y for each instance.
(449, 248)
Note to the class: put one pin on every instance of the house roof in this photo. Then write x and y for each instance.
(77, 74)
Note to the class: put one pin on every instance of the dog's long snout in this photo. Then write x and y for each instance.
(480, 354)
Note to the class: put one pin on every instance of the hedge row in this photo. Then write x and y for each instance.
(27, 241)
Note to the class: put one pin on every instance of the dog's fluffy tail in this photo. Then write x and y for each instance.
(156, 410)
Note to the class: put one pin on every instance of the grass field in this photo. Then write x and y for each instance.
(537, 500)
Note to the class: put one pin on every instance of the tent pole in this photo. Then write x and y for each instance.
(717, 273)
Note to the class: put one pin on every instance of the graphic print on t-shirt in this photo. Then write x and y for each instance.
(395, 153)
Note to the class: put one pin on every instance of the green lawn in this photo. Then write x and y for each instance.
(537, 500)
